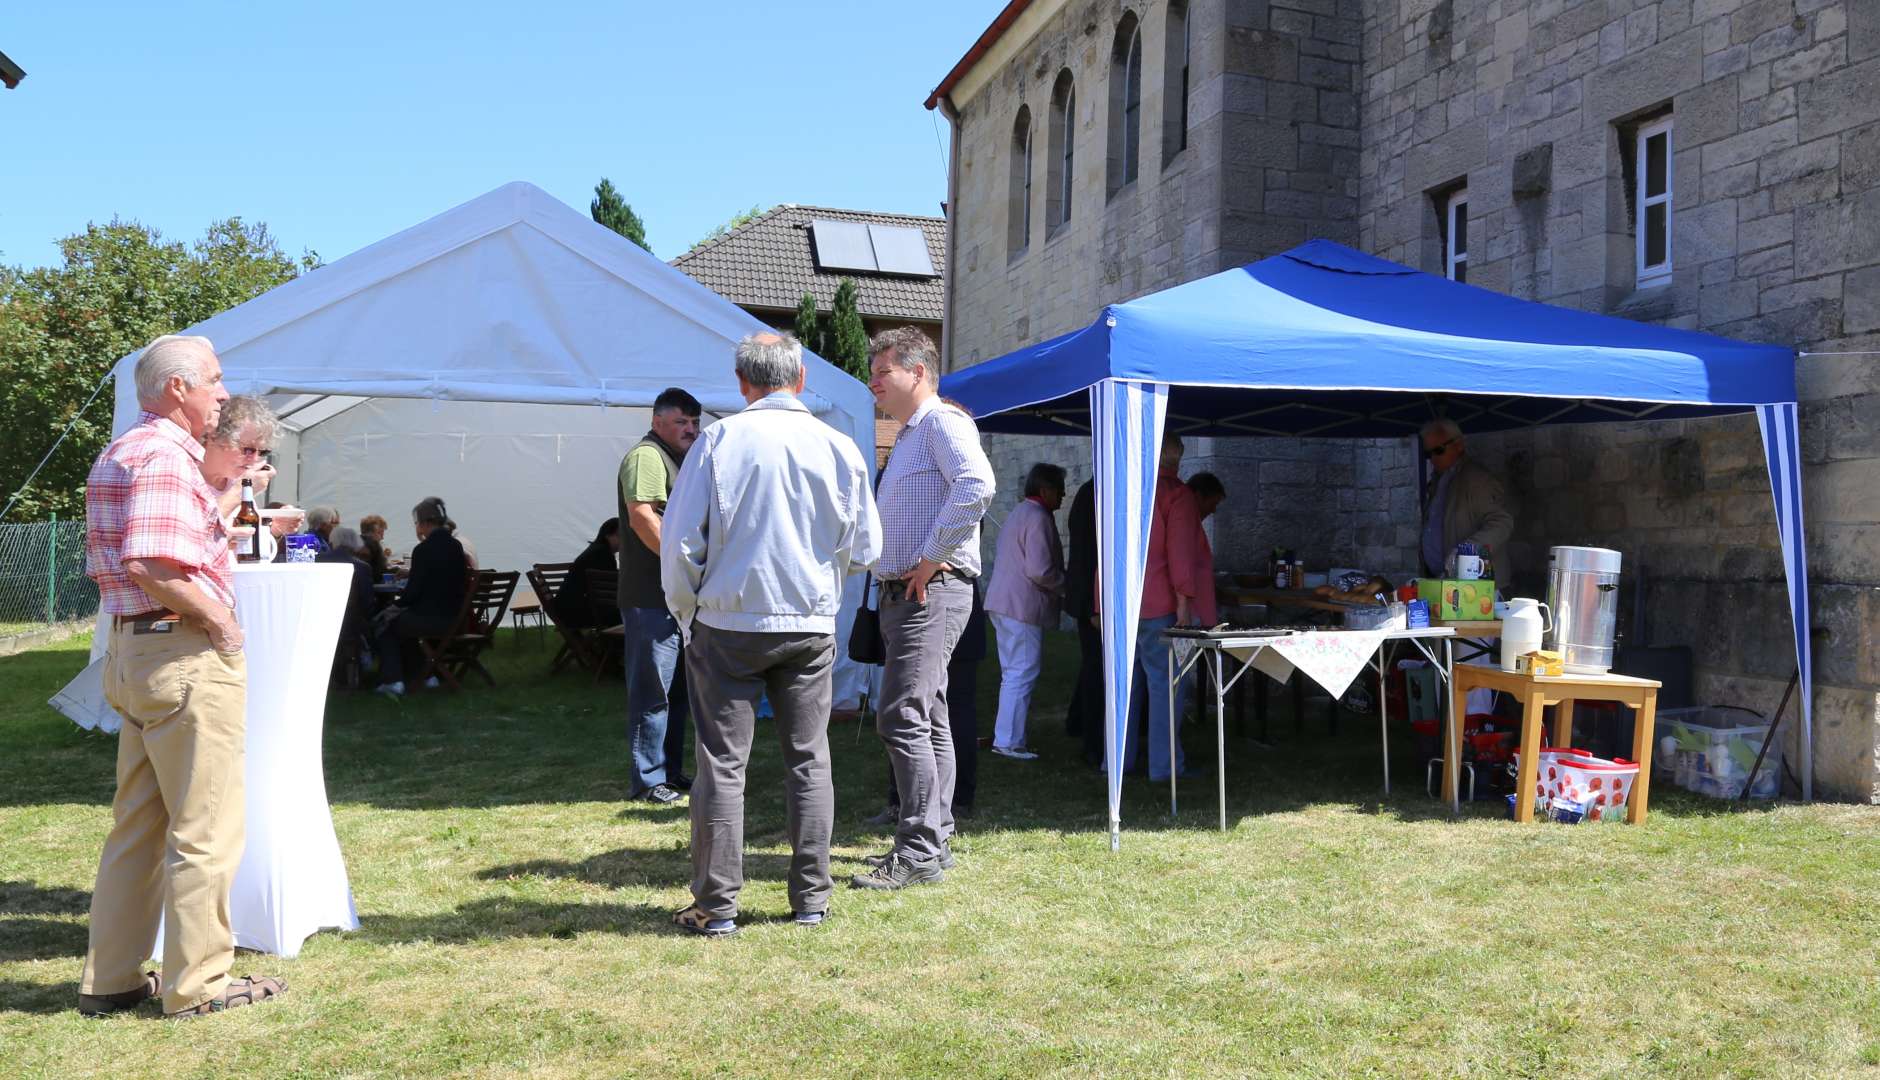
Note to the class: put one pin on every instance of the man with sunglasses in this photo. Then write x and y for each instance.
(1464, 502)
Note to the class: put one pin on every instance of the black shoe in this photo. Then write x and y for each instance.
(899, 872)
(661, 794)
(680, 781)
(890, 814)
(810, 918)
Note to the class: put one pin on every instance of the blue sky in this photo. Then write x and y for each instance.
(338, 122)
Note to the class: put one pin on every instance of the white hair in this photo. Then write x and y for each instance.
(346, 539)
(1441, 426)
(321, 516)
(243, 413)
(770, 361)
(168, 357)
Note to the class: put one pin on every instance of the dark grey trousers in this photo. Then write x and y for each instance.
(726, 671)
(913, 720)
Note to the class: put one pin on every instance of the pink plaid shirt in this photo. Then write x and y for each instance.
(146, 499)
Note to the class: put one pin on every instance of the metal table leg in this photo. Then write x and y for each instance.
(1173, 772)
(1220, 734)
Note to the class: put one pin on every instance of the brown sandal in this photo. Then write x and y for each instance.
(247, 990)
(694, 920)
(106, 1004)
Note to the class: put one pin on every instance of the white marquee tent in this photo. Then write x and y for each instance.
(501, 355)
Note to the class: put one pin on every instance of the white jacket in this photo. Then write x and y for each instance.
(771, 511)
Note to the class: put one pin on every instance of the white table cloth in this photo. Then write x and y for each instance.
(292, 882)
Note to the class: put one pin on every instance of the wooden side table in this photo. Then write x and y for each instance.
(1535, 694)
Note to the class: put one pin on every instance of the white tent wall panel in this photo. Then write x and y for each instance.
(525, 483)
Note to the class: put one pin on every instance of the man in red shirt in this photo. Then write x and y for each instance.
(1169, 587)
(174, 670)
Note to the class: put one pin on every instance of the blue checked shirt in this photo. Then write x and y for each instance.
(935, 489)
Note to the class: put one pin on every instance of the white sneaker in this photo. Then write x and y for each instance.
(1016, 753)
(390, 689)
(432, 683)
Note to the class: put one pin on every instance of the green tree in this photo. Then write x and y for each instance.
(847, 339)
(63, 327)
(736, 221)
(611, 210)
(811, 325)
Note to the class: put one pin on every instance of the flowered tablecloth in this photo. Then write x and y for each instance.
(1332, 658)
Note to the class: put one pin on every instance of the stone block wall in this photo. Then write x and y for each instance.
(1775, 107)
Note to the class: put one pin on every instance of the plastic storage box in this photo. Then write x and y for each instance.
(1711, 749)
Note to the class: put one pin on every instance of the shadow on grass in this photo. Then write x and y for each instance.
(654, 868)
(42, 999)
(496, 918)
(29, 898)
(29, 938)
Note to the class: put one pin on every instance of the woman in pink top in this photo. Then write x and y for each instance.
(1022, 600)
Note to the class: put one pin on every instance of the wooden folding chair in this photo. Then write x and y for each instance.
(485, 601)
(611, 641)
(577, 642)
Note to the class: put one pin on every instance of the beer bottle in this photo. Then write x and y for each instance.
(248, 548)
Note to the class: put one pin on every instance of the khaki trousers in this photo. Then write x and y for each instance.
(177, 833)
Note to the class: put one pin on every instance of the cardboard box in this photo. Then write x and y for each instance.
(1458, 601)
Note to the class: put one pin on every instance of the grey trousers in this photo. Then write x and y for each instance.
(726, 671)
(913, 718)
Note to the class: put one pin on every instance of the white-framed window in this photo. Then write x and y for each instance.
(1456, 235)
(1651, 202)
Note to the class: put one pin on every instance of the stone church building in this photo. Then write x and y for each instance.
(1705, 164)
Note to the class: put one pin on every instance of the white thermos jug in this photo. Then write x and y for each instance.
(1522, 629)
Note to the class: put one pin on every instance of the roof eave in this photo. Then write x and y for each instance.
(984, 45)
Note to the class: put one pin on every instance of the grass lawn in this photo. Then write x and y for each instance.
(515, 919)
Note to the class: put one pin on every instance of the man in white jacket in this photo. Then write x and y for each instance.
(770, 514)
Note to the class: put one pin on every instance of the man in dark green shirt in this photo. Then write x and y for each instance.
(656, 698)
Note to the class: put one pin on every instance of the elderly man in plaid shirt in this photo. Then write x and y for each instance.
(934, 490)
(158, 548)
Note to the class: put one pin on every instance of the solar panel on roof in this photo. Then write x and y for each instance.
(842, 245)
(900, 249)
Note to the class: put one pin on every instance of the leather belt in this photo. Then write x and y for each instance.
(146, 618)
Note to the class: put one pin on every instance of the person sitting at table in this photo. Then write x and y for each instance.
(1022, 601)
(432, 596)
(469, 548)
(344, 548)
(321, 521)
(572, 607)
(372, 536)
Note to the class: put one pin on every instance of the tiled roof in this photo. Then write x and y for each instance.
(770, 262)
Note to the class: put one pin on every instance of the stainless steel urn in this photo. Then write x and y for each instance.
(1583, 594)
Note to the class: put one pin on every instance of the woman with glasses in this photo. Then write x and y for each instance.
(238, 449)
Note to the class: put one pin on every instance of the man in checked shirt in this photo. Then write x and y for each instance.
(933, 492)
(174, 670)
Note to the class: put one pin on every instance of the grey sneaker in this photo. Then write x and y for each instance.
(899, 872)
(890, 814)
(946, 857)
(662, 794)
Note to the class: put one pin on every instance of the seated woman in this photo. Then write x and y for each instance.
(572, 607)
(372, 537)
(344, 547)
(431, 598)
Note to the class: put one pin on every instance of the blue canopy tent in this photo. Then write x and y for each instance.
(1327, 341)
